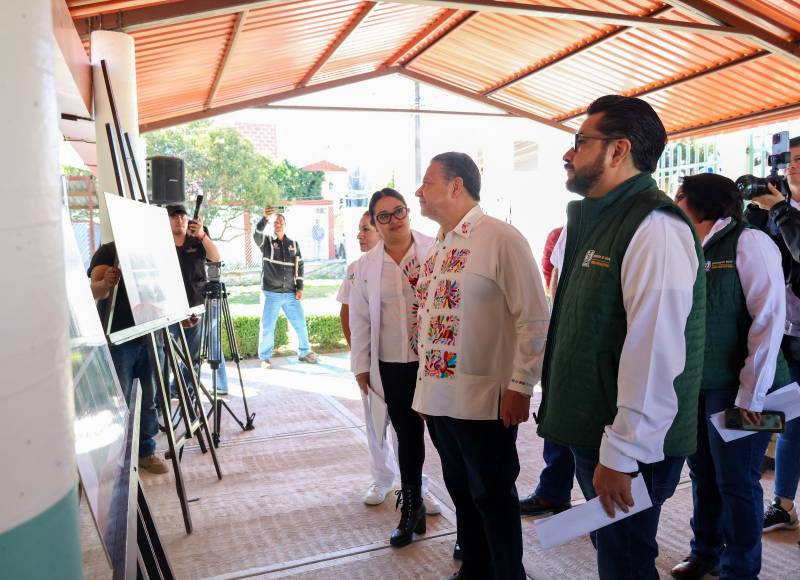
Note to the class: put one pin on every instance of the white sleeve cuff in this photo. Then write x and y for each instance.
(745, 400)
(615, 459)
(520, 386)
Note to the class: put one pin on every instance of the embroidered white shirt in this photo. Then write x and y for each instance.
(758, 264)
(398, 332)
(482, 320)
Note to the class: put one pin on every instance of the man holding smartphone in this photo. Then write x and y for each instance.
(282, 287)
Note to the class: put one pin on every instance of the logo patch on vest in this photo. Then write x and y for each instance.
(721, 265)
(592, 258)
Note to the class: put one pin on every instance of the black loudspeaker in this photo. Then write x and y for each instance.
(165, 183)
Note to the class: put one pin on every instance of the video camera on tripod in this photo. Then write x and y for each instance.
(218, 313)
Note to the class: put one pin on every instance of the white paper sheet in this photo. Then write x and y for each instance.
(786, 399)
(582, 519)
(378, 415)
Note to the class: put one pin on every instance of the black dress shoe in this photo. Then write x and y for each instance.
(533, 505)
(461, 575)
(693, 569)
(457, 552)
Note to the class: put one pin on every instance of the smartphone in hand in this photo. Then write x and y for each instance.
(771, 421)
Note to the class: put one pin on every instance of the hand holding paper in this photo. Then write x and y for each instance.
(591, 516)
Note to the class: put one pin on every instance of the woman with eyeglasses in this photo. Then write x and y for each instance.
(383, 326)
(745, 305)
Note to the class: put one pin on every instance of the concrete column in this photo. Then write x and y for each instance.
(118, 50)
(39, 533)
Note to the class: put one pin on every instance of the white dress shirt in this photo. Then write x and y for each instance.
(659, 270)
(343, 296)
(483, 320)
(366, 312)
(398, 333)
(758, 264)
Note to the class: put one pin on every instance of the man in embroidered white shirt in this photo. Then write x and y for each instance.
(482, 327)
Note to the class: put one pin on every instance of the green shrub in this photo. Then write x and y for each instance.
(325, 331)
(246, 329)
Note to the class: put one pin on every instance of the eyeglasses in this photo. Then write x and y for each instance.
(385, 217)
(581, 138)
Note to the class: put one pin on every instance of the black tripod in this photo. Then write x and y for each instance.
(218, 313)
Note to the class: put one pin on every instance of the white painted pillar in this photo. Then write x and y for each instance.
(118, 50)
(39, 534)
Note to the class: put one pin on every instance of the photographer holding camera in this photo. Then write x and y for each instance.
(779, 216)
(194, 247)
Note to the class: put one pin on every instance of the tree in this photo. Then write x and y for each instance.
(296, 183)
(222, 165)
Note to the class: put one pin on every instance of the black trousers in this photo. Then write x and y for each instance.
(480, 466)
(399, 381)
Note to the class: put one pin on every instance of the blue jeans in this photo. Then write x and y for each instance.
(132, 361)
(627, 550)
(293, 309)
(555, 481)
(787, 452)
(728, 500)
(194, 337)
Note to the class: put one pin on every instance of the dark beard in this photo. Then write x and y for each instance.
(585, 179)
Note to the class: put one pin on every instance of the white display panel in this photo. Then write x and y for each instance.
(147, 259)
(101, 413)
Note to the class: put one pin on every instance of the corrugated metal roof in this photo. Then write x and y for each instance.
(544, 67)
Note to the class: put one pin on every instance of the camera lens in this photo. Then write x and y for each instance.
(751, 186)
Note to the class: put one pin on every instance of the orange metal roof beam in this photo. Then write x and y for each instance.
(261, 101)
(741, 122)
(675, 81)
(237, 29)
(166, 14)
(766, 40)
(455, 25)
(515, 111)
(561, 13)
(421, 37)
(585, 45)
(360, 14)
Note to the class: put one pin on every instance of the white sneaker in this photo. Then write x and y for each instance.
(266, 364)
(432, 507)
(376, 494)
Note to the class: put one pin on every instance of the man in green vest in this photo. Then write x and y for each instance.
(622, 365)
(745, 313)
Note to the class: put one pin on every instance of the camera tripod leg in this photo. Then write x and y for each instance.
(234, 348)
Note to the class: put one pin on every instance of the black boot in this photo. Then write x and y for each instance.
(412, 515)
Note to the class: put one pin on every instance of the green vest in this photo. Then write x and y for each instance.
(589, 323)
(727, 319)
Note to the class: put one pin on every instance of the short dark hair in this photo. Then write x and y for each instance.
(794, 142)
(712, 196)
(379, 195)
(635, 120)
(461, 165)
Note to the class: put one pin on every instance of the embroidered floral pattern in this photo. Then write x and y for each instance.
(411, 271)
(465, 228)
(429, 264)
(440, 364)
(455, 260)
(448, 295)
(443, 329)
(422, 291)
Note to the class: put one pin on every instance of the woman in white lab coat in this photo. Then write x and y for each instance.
(383, 325)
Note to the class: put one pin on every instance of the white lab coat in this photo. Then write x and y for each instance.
(365, 310)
